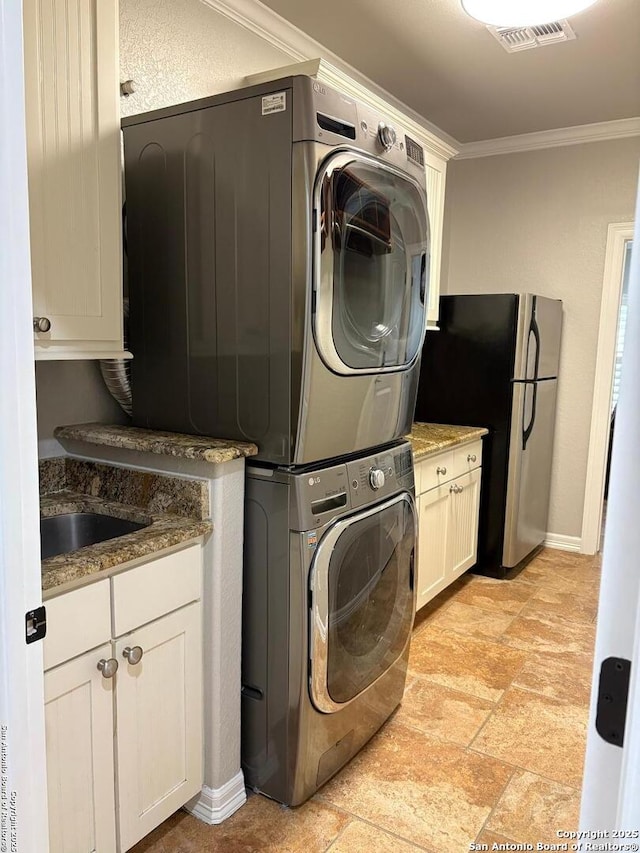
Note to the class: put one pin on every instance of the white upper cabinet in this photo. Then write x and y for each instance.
(436, 176)
(73, 150)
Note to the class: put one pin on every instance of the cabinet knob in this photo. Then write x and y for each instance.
(455, 488)
(441, 470)
(41, 324)
(471, 457)
(133, 655)
(108, 668)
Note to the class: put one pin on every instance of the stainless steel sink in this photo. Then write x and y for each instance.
(60, 534)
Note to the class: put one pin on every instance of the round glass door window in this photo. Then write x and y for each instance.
(370, 599)
(374, 252)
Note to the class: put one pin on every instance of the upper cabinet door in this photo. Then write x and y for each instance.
(436, 169)
(73, 146)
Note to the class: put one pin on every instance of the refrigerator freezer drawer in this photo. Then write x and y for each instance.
(529, 470)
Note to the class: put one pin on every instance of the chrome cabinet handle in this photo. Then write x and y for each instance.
(41, 324)
(440, 470)
(108, 668)
(471, 457)
(453, 489)
(460, 489)
(133, 655)
(456, 489)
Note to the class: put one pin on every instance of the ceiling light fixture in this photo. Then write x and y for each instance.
(522, 13)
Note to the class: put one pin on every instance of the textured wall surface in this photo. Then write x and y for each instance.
(178, 50)
(537, 221)
(71, 392)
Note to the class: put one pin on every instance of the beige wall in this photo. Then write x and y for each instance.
(537, 221)
(175, 50)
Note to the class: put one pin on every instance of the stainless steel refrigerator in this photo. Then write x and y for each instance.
(494, 363)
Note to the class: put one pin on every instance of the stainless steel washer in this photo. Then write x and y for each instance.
(328, 609)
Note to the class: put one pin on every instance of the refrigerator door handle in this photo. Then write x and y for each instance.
(526, 431)
(535, 331)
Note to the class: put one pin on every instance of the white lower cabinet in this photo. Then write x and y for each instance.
(448, 519)
(159, 719)
(124, 727)
(80, 769)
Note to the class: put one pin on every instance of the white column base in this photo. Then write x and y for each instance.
(214, 805)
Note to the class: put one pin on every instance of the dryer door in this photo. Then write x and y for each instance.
(362, 600)
(371, 265)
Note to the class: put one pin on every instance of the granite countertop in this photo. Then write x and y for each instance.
(431, 438)
(176, 510)
(202, 448)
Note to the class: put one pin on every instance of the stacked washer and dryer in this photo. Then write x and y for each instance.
(278, 250)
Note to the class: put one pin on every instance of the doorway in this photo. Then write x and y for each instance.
(607, 377)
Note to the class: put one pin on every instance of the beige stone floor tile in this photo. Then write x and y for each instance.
(441, 712)
(490, 838)
(550, 635)
(500, 595)
(437, 605)
(546, 736)
(567, 676)
(533, 809)
(464, 618)
(564, 603)
(479, 667)
(433, 794)
(260, 826)
(359, 836)
(559, 569)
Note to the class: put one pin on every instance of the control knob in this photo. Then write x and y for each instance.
(376, 478)
(386, 135)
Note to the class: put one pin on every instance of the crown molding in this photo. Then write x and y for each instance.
(602, 131)
(298, 46)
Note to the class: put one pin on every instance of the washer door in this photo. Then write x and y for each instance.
(362, 600)
(371, 265)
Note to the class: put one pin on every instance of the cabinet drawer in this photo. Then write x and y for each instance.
(147, 592)
(76, 622)
(434, 471)
(467, 457)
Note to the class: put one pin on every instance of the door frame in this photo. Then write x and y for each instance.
(617, 235)
(21, 668)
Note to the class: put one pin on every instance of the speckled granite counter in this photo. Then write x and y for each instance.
(430, 438)
(174, 508)
(214, 450)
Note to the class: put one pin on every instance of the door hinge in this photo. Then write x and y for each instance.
(613, 692)
(35, 624)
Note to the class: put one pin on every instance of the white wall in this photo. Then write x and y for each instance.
(537, 221)
(175, 50)
(178, 50)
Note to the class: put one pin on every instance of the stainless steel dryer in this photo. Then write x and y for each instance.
(328, 607)
(278, 257)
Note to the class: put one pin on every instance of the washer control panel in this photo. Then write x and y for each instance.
(379, 475)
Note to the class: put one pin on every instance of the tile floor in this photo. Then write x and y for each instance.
(487, 746)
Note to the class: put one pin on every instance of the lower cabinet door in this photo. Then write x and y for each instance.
(159, 721)
(434, 520)
(463, 523)
(79, 740)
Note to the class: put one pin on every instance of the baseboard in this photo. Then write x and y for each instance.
(563, 543)
(214, 805)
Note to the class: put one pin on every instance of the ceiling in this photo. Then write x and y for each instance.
(450, 69)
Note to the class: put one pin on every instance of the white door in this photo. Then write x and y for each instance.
(611, 791)
(21, 681)
(462, 536)
(159, 722)
(80, 775)
(433, 533)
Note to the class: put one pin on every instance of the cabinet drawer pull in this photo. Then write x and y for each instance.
(471, 457)
(108, 668)
(41, 324)
(456, 489)
(441, 470)
(133, 655)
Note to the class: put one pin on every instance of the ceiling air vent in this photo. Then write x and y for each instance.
(513, 39)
